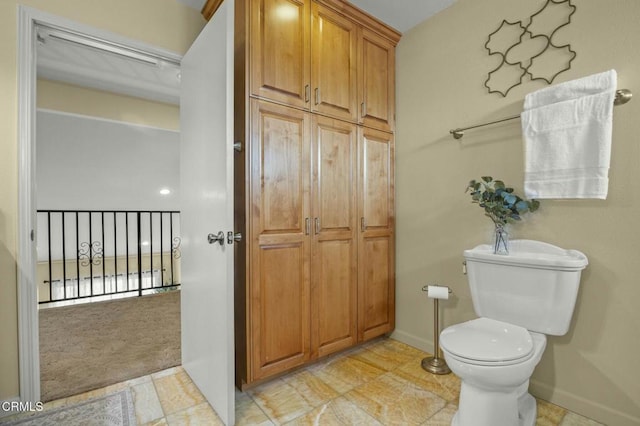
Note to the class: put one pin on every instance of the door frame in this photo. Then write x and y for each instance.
(27, 20)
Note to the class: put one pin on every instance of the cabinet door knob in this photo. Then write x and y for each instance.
(363, 107)
(307, 90)
(307, 226)
(362, 224)
(317, 225)
(317, 95)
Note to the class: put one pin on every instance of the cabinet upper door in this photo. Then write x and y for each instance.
(334, 41)
(280, 62)
(377, 81)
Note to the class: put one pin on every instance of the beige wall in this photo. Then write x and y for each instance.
(97, 103)
(442, 65)
(163, 23)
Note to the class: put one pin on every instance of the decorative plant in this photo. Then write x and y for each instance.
(499, 201)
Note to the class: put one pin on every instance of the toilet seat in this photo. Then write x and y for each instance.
(484, 341)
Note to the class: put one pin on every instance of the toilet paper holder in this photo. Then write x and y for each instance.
(435, 364)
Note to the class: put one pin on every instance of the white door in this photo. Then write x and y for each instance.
(206, 175)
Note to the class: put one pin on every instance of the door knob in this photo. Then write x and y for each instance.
(216, 238)
(231, 237)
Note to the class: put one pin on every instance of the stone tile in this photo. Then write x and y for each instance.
(199, 415)
(167, 372)
(392, 347)
(310, 387)
(442, 417)
(388, 354)
(146, 403)
(158, 422)
(339, 411)
(280, 401)
(136, 381)
(451, 383)
(344, 374)
(177, 392)
(548, 414)
(413, 372)
(573, 419)
(393, 400)
(248, 412)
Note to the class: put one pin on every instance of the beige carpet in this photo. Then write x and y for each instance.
(112, 410)
(89, 346)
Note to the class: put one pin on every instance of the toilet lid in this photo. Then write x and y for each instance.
(487, 340)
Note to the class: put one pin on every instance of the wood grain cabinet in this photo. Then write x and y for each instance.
(314, 184)
(280, 249)
(334, 64)
(377, 81)
(376, 265)
(310, 55)
(280, 64)
(334, 266)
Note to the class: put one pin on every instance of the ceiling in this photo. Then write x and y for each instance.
(83, 61)
(400, 14)
(86, 62)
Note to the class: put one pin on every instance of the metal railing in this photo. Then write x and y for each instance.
(103, 254)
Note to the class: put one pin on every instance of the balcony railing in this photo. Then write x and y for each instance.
(93, 255)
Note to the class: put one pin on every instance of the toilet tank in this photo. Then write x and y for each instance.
(535, 286)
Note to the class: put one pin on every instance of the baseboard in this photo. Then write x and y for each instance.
(413, 340)
(571, 402)
(582, 406)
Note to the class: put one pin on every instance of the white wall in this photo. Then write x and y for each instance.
(90, 163)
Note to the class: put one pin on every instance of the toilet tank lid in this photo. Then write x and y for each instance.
(530, 253)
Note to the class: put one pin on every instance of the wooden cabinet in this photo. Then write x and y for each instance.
(333, 64)
(334, 249)
(280, 65)
(377, 81)
(279, 259)
(322, 60)
(314, 100)
(376, 266)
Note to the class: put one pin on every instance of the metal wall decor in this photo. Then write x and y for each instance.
(530, 50)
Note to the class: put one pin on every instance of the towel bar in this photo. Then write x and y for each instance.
(622, 97)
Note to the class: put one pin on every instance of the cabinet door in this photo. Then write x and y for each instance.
(279, 288)
(377, 81)
(279, 51)
(334, 227)
(334, 41)
(376, 265)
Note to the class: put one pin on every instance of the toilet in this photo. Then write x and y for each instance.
(520, 298)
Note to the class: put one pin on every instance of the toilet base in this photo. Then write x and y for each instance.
(480, 407)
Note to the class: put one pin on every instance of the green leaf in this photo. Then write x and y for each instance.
(487, 178)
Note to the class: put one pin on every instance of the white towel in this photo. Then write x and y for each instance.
(567, 133)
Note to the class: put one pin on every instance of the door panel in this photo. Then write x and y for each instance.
(283, 304)
(377, 81)
(279, 289)
(279, 51)
(334, 256)
(333, 61)
(376, 276)
(206, 166)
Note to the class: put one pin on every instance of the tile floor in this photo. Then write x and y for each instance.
(380, 383)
